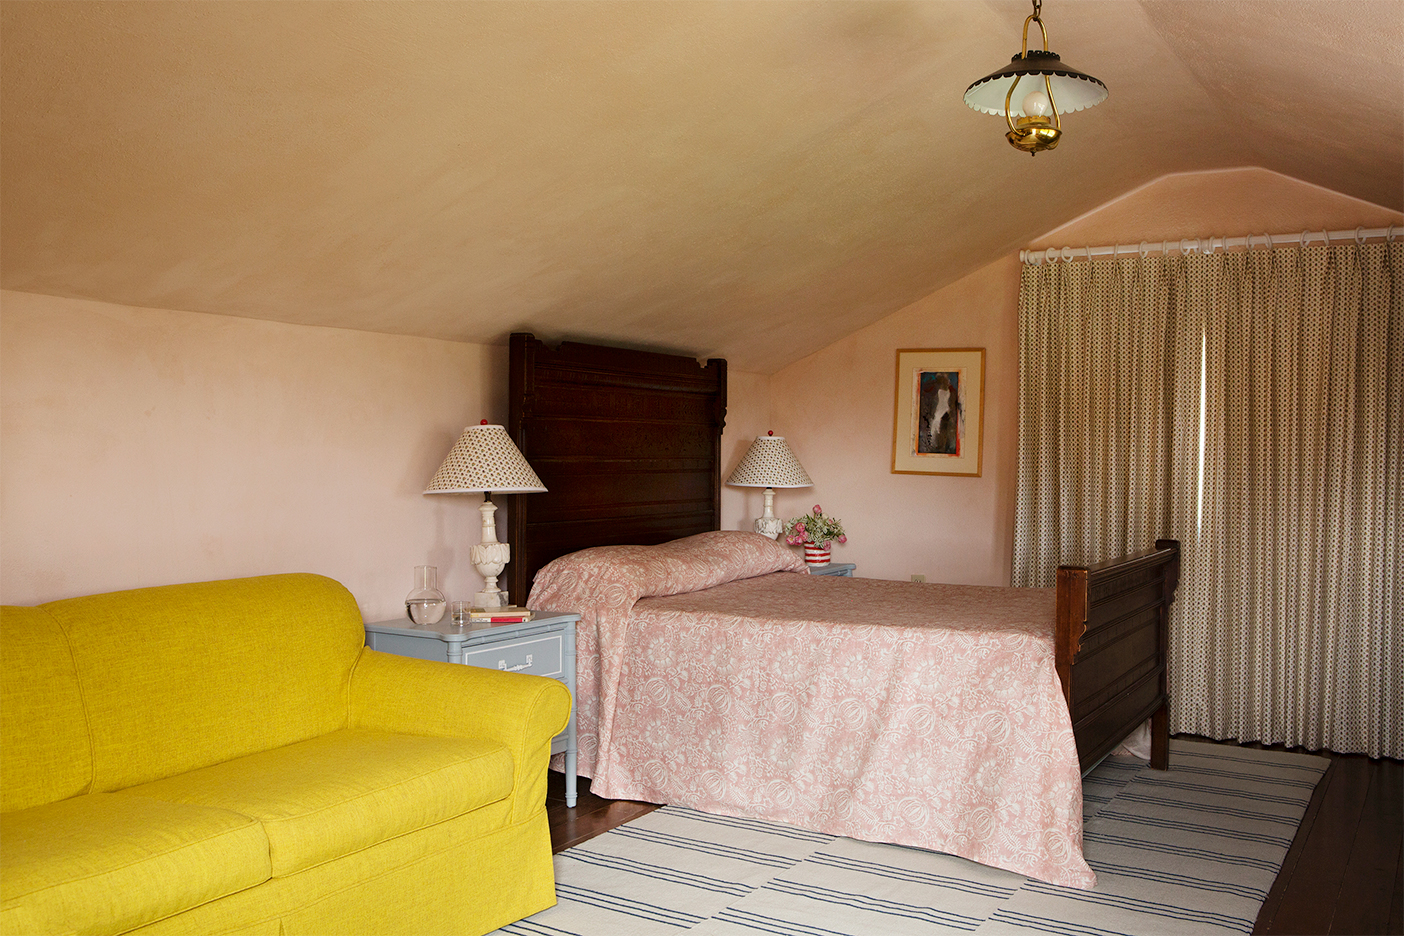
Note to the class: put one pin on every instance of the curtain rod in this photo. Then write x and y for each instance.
(1203, 245)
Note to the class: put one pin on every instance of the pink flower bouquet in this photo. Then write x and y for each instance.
(814, 528)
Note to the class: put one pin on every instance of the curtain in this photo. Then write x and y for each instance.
(1286, 628)
(1101, 368)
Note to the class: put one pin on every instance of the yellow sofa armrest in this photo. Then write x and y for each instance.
(395, 693)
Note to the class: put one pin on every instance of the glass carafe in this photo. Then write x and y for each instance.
(426, 604)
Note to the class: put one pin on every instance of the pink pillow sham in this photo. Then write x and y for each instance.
(620, 575)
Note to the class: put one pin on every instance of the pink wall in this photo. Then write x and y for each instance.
(836, 406)
(952, 529)
(143, 447)
(1226, 203)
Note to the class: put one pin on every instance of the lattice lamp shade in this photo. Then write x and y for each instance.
(769, 463)
(485, 459)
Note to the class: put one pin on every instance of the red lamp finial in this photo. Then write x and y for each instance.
(482, 422)
(770, 432)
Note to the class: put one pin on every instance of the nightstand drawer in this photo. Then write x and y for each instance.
(539, 657)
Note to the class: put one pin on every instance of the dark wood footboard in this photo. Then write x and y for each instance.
(1112, 639)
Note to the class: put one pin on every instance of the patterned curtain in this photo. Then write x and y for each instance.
(1287, 627)
(1100, 434)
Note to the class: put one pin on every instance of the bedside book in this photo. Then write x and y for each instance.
(504, 615)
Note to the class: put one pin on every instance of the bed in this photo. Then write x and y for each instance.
(715, 673)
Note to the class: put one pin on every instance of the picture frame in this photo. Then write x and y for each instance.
(939, 411)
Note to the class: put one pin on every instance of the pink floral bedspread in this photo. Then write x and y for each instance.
(710, 675)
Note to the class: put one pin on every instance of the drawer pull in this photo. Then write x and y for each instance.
(502, 665)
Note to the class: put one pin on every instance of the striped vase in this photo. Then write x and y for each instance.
(814, 554)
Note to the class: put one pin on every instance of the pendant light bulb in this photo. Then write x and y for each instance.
(1036, 104)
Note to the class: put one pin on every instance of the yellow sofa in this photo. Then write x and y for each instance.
(228, 757)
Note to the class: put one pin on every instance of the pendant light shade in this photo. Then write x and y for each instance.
(1072, 89)
(1036, 87)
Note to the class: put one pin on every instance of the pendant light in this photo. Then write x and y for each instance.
(1035, 87)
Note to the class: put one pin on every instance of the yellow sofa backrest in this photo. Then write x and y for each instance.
(183, 676)
(44, 750)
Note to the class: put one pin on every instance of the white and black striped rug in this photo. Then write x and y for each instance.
(1190, 850)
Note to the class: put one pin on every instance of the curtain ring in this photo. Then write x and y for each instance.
(1360, 236)
(1184, 251)
(1326, 237)
(1268, 238)
(1067, 254)
(1144, 250)
(1165, 248)
(1389, 235)
(1199, 245)
(1050, 254)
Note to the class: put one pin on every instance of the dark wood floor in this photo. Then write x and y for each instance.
(1343, 875)
(590, 815)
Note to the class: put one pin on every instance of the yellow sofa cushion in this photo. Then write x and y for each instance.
(331, 796)
(46, 750)
(109, 862)
(183, 676)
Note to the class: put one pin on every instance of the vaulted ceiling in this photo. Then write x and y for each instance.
(749, 180)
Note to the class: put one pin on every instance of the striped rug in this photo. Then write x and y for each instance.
(1191, 850)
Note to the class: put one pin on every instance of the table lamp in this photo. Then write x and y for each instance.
(484, 459)
(769, 464)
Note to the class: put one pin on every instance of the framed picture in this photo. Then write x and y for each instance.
(940, 411)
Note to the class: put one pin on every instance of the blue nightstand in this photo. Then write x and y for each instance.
(834, 568)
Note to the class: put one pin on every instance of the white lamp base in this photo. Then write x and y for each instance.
(489, 557)
(497, 598)
(767, 524)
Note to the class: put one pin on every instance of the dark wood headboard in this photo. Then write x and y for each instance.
(628, 444)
